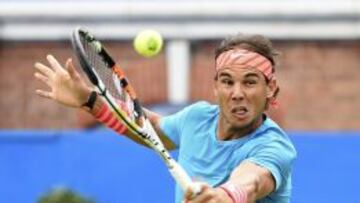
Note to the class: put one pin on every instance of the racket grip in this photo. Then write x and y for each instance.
(183, 179)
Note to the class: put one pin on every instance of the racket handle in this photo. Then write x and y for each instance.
(183, 179)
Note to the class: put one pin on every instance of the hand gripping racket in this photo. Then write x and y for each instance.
(112, 84)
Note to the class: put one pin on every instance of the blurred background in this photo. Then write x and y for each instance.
(44, 146)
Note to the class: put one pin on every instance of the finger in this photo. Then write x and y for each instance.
(71, 69)
(44, 94)
(206, 195)
(42, 78)
(190, 193)
(55, 63)
(44, 69)
(197, 188)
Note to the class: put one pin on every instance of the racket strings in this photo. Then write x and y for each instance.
(105, 73)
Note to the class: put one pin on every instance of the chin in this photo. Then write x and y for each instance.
(247, 122)
(241, 124)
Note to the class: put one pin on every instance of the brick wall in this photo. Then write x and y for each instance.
(23, 109)
(319, 81)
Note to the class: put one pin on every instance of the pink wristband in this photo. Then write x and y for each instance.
(105, 116)
(236, 193)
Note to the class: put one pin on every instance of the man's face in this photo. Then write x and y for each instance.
(242, 95)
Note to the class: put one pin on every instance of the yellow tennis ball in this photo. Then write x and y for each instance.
(148, 43)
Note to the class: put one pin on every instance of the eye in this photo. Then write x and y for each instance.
(226, 81)
(250, 82)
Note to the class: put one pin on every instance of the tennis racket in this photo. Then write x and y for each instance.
(112, 84)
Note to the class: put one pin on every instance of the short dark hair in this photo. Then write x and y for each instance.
(256, 43)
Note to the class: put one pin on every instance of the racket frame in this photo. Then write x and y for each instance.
(146, 133)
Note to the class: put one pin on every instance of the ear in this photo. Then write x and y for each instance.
(271, 88)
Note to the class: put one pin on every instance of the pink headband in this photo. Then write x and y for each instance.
(248, 58)
(241, 57)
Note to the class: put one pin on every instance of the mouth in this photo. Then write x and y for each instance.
(239, 111)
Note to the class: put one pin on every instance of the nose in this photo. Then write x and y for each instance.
(237, 93)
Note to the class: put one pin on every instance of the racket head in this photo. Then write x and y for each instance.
(77, 41)
(98, 66)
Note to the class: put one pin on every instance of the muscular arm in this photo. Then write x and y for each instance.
(254, 180)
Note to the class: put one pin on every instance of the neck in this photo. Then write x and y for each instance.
(226, 131)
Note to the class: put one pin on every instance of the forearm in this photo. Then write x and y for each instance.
(103, 114)
(252, 182)
(244, 190)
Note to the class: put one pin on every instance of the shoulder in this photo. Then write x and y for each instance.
(270, 137)
(206, 106)
(201, 109)
(270, 131)
(195, 111)
(202, 105)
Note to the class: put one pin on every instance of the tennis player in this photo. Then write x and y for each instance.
(238, 153)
